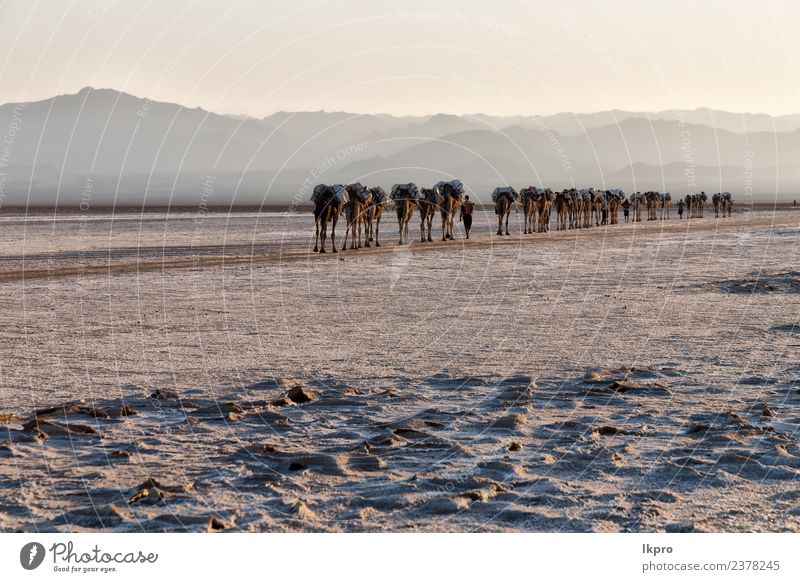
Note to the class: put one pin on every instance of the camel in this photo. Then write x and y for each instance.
(596, 208)
(561, 206)
(636, 205)
(546, 198)
(700, 204)
(405, 199)
(603, 205)
(373, 214)
(615, 200)
(429, 198)
(573, 202)
(716, 200)
(530, 205)
(504, 200)
(579, 199)
(358, 197)
(727, 204)
(653, 201)
(588, 195)
(449, 202)
(665, 201)
(329, 202)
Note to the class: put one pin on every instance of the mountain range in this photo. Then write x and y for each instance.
(102, 146)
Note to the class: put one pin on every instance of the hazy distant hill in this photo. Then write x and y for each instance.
(103, 146)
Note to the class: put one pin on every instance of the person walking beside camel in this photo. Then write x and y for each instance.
(680, 209)
(466, 214)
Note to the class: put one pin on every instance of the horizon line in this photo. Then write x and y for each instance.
(399, 116)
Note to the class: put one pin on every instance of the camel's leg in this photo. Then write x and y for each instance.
(507, 216)
(377, 229)
(316, 236)
(323, 233)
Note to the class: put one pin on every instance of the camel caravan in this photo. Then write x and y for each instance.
(574, 208)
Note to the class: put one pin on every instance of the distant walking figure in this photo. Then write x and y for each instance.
(681, 204)
(626, 209)
(466, 214)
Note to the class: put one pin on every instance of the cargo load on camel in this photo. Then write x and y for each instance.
(358, 191)
(378, 195)
(504, 191)
(405, 191)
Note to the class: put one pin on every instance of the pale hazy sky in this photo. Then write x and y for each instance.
(497, 57)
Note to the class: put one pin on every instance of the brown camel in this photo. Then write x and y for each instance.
(586, 208)
(504, 200)
(354, 213)
(530, 205)
(716, 200)
(405, 200)
(700, 203)
(576, 209)
(429, 198)
(449, 203)
(546, 200)
(636, 205)
(665, 201)
(373, 214)
(652, 200)
(727, 204)
(329, 202)
(619, 201)
(561, 205)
